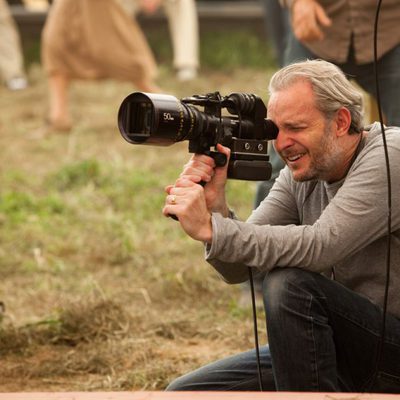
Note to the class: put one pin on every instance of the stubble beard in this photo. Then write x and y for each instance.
(324, 160)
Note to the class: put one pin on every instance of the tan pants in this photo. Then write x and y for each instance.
(183, 26)
(11, 58)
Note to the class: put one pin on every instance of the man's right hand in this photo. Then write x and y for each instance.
(201, 168)
(308, 16)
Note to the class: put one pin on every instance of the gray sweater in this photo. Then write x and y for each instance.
(321, 227)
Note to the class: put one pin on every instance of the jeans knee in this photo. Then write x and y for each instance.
(281, 285)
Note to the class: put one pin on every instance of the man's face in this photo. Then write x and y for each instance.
(306, 140)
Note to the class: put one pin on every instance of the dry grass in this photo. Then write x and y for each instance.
(100, 291)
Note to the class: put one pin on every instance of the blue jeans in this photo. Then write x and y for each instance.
(322, 337)
(277, 25)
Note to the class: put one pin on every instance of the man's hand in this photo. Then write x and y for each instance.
(308, 16)
(201, 169)
(199, 191)
(186, 200)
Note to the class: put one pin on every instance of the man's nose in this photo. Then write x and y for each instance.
(283, 140)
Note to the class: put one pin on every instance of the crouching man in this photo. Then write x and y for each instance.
(321, 236)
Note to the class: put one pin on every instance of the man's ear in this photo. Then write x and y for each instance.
(342, 121)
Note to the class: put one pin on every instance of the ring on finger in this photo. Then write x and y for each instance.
(173, 199)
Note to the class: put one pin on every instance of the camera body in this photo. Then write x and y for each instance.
(162, 120)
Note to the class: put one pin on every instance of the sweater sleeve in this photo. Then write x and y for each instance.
(279, 208)
(356, 217)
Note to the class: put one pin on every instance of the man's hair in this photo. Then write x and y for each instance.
(331, 88)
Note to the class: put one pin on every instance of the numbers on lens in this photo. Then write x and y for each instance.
(168, 116)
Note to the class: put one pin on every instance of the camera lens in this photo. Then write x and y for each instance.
(156, 119)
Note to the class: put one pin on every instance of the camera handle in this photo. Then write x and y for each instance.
(219, 159)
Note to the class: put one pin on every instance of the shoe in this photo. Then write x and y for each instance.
(18, 83)
(186, 74)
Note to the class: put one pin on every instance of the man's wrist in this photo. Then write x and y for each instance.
(221, 208)
(208, 234)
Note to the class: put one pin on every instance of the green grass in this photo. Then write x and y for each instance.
(224, 51)
(219, 49)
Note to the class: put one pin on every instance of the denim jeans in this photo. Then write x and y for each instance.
(322, 337)
(277, 25)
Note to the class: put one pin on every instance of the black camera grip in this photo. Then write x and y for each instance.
(220, 159)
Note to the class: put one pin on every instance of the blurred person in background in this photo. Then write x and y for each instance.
(342, 32)
(12, 71)
(184, 31)
(92, 39)
(276, 20)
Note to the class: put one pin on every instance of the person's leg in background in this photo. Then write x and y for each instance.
(389, 82)
(184, 29)
(59, 114)
(58, 117)
(295, 50)
(276, 20)
(11, 58)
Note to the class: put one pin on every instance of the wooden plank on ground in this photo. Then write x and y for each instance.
(195, 396)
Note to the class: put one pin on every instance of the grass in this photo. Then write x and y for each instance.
(219, 49)
(101, 292)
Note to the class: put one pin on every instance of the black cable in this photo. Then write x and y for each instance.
(255, 328)
(381, 339)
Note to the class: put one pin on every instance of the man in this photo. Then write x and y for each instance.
(321, 236)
